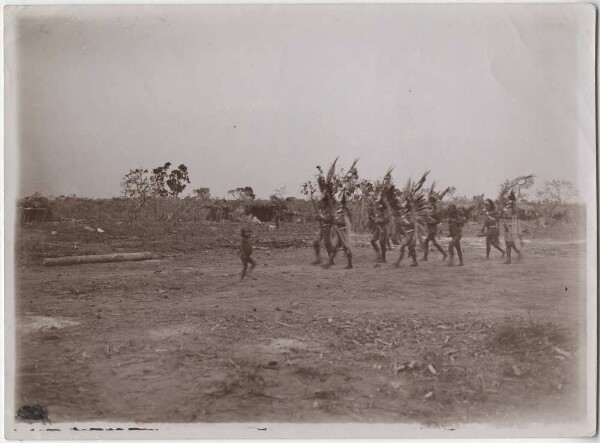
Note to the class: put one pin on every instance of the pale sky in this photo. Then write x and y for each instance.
(259, 95)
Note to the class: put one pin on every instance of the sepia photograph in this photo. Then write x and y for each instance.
(300, 221)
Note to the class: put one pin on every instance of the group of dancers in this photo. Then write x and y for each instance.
(409, 217)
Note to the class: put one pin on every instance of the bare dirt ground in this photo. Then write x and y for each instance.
(180, 339)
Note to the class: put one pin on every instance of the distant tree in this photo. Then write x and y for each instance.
(309, 189)
(554, 195)
(177, 180)
(202, 193)
(246, 193)
(158, 180)
(280, 192)
(137, 186)
(557, 192)
(165, 182)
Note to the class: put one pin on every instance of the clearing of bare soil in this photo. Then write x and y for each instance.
(181, 339)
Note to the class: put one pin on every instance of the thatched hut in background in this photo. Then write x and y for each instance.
(294, 217)
(35, 208)
(218, 211)
(264, 210)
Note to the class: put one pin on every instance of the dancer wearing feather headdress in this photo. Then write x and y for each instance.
(511, 223)
(381, 215)
(342, 226)
(325, 211)
(491, 228)
(334, 217)
(325, 218)
(340, 234)
(406, 229)
(456, 221)
(514, 187)
(413, 215)
(435, 218)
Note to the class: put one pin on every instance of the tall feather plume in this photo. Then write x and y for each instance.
(352, 174)
(390, 192)
(353, 171)
(328, 184)
(408, 187)
(384, 194)
(325, 182)
(414, 205)
(420, 183)
(445, 192)
(387, 178)
(331, 172)
(322, 184)
(384, 185)
(432, 189)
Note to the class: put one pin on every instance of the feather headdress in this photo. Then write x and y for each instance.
(385, 191)
(384, 199)
(335, 189)
(326, 183)
(331, 172)
(523, 182)
(510, 189)
(418, 185)
(433, 195)
(414, 205)
(348, 181)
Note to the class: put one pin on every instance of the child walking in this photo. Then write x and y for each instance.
(246, 251)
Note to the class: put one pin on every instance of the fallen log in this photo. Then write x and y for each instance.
(104, 258)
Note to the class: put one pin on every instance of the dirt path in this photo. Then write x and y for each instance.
(181, 339)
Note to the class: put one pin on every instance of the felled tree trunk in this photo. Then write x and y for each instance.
(105, 258)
